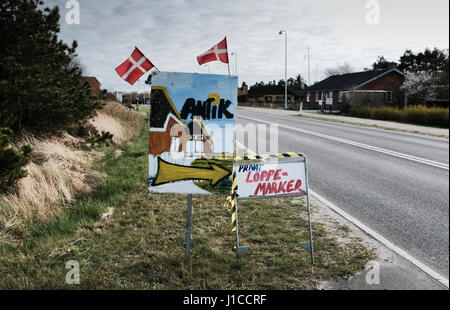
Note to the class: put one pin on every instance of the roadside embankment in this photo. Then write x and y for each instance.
(61, 170)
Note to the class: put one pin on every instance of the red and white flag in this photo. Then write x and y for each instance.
(218, 52)
(134, 67)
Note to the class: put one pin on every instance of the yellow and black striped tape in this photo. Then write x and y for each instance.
(231, 200)
(229, 156)
(266, 156)
(233, 205)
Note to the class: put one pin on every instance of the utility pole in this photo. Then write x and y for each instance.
(285, 68)
(309, 69)
(316, 72)
(235, 63)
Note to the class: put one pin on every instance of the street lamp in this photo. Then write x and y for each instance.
(285, 68)
(235, 62)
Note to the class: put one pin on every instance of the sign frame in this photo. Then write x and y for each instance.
(286, 158)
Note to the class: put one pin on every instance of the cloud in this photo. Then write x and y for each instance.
(173, 32)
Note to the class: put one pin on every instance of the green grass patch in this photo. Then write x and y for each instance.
(141, 246)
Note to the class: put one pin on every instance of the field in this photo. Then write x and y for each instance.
(125, 238)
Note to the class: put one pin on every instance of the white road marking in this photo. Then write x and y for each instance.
(399, 251)
(369, 127)
(358, 144)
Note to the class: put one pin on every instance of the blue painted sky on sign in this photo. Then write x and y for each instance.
(182, 86)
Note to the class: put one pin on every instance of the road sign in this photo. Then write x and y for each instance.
(191, 139)
(119, 97)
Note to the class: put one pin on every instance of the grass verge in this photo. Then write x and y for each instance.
(125, 238)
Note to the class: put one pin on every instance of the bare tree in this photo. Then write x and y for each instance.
(339, 69)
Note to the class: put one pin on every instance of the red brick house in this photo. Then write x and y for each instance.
(274, 95)
(378, 84)
(96, 86)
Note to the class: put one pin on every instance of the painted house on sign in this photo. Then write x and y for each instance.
(375, 87)
(166, 136)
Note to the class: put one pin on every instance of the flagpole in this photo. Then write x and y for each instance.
(228, 67)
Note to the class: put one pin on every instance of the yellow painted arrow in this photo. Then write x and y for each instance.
(168, 172)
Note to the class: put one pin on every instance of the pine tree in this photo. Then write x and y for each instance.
(11, 161)
(41, 85)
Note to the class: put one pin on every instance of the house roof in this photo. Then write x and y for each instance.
(261, 91)
(351, 80)
(160, 97)
(296, 91)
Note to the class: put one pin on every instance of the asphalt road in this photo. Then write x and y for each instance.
(387, 180)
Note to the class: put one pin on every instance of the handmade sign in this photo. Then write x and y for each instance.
(271, 179)
(191, 139)
(268, 176)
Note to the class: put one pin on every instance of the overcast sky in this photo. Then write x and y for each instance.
(171, 33)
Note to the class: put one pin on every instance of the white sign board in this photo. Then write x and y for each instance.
(258, 180)
(320, 102)
(119, 97)
(329, 101)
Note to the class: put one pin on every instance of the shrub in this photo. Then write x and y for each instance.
(105, 138)
(345, 108)
(11, 161)
(387, 114)
(419, 115)
(423, 115)
(361, 111)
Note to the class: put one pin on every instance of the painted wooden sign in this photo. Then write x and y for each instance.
(191, 139)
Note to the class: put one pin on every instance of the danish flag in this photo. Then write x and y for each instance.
(134, 67)
(218, 52)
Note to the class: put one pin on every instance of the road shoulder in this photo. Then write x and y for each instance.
(395, 272)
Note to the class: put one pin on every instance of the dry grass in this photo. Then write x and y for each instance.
(123, 123)
(58, 173)
(104, 122)
(60, 170)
